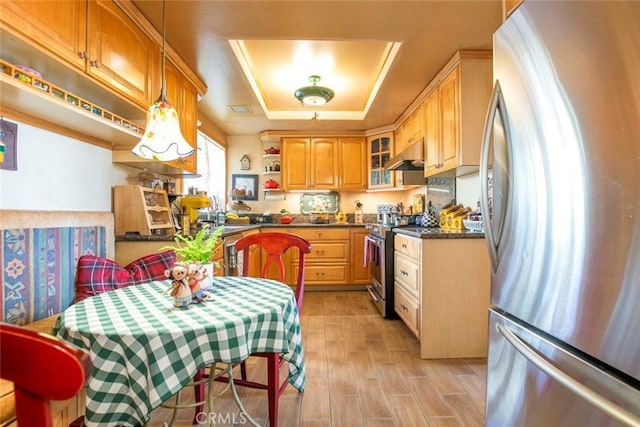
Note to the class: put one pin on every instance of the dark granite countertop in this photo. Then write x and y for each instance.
(438, 233)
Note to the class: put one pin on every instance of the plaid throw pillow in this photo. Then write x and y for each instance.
(151, 267)
(96, 275)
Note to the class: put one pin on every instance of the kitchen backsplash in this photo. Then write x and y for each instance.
(440, 190)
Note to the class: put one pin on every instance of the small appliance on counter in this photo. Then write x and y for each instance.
(191, 204)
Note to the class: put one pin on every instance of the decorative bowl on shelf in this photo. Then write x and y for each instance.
(272, 150)
(476, 226)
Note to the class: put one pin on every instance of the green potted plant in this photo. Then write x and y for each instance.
(198, 248)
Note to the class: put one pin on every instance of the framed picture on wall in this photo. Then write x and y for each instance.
(244, 187)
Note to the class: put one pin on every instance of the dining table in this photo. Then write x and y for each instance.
(144, 349)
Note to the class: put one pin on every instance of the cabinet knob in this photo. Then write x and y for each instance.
(95, 63)
(404, 273)
(83, 55)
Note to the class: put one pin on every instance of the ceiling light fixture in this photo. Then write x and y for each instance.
(314, 95)
(162, 139)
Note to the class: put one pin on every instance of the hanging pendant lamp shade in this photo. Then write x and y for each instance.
(314, 95)
(162, 139)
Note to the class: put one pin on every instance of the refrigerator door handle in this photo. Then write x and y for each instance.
(494, 213)
(608, 407)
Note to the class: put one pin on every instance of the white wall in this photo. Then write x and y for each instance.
(468, 190)
(58, 173)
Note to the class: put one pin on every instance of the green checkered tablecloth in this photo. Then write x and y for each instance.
(144, 350)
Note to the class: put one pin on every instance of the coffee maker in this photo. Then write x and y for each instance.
(191, 204)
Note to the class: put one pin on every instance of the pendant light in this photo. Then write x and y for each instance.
(314, 95)
(162, 139)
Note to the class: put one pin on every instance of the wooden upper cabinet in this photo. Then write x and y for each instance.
(449, 94)
(432, 132)
(295, 163)
(120, 54)
(324, 163)
(453, 134)
(183, 96)
(56, 26)
(94, 36)
(352, 167)
(379, 150)
(410, 130)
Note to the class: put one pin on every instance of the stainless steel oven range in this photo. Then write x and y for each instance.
(379, 259)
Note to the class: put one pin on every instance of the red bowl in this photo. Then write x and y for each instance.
(286, 219)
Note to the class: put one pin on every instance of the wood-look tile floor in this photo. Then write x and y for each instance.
(361, 370)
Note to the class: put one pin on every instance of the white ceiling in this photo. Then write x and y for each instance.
(345, 42)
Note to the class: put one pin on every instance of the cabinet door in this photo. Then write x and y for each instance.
(432, 133)
(450, 119)
(324, 163)
(417, 123)
(406, 132)
(359, 273)
(352, 172)
(121, 55)
(295, 163)
(183, 97)
(189, 123)
(59, 27)
(379, 150)
(398, 140)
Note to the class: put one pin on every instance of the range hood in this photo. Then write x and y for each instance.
(411, 158)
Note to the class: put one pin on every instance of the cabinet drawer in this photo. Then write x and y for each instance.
(408, 245)
(322, 274)
(407, 272)
(329, 252)
(408, 309)
(323, 233)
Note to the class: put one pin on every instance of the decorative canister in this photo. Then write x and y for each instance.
(429, 217)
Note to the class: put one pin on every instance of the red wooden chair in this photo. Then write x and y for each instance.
(42, 368)
(274, 245)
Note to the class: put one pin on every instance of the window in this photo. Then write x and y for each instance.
(211, 168)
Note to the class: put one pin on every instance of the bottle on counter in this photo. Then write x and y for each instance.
(358, 214)
(221, 218)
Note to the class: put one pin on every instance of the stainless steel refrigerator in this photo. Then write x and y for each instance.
(561, 197)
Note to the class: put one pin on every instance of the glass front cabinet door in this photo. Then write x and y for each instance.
(380, 149)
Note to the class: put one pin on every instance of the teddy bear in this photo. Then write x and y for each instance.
(179, 290)
(195, 273)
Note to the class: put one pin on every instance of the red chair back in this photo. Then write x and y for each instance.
(274, 245)
(42, 368)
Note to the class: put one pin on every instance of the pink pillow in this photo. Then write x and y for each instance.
(96, 275)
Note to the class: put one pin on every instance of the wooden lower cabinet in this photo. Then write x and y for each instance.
(408, 308)
(336, 258)
(359, 272)
(329, 260)
(442, 294)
